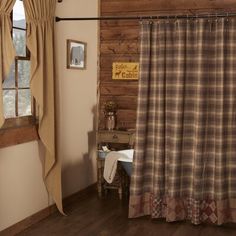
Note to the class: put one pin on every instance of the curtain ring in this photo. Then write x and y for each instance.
(210, 22)
(151, 20)
(140, 20)
(168, 19)
(188, 18)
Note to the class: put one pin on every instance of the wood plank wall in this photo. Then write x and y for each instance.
(119, 42)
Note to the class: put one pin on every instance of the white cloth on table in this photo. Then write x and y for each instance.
(110, 167)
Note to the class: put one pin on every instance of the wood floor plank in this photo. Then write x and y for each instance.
(91, 216)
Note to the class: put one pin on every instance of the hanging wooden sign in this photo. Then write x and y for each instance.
(125, 70)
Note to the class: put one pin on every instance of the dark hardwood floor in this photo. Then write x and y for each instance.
(90, 216)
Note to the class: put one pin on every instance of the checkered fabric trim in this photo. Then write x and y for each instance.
(176, 209)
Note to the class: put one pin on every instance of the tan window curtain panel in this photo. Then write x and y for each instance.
(7, 51)
(40, 35)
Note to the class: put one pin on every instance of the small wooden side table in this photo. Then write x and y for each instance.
(114, 140)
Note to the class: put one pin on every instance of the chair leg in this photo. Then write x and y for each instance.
(120, 192)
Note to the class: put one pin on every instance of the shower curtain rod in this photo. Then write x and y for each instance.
(144, 17)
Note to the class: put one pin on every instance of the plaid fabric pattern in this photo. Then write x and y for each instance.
(186, 121)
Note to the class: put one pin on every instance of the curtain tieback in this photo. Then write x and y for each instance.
(4, 13)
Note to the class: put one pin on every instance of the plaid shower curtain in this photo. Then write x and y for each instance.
(185, 155)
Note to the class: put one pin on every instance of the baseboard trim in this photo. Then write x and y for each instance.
(35, 218)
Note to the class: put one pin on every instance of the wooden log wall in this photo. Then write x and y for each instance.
(119, 42)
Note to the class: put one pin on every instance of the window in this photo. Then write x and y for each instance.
(17, 101)
(16, 91)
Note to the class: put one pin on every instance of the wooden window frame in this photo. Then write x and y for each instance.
(22, 129)
(18, 130)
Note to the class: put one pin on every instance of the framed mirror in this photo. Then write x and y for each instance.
(76, 54)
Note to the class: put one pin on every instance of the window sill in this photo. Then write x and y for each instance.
(17, 131)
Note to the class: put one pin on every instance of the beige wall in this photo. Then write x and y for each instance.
(22, 192)
(77, 97)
